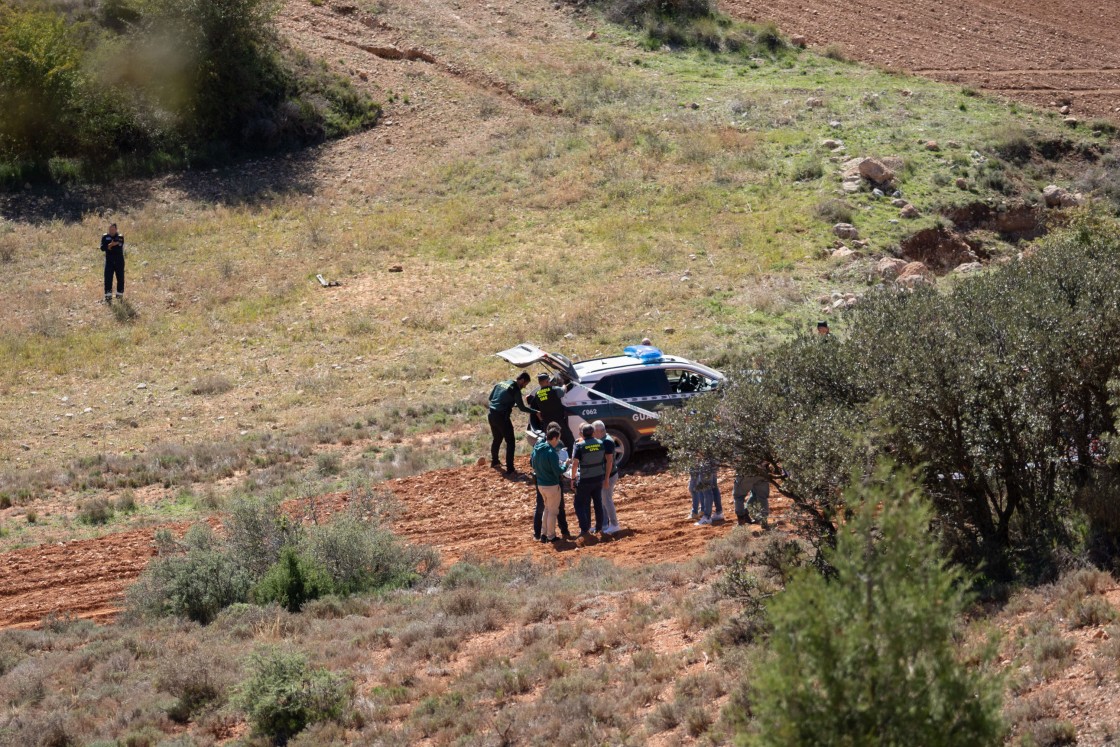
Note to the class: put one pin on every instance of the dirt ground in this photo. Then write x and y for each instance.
(467, 512)
(1044, 53)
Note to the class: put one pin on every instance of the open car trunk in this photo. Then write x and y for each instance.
(525, 355)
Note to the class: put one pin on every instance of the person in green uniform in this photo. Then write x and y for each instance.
(503, 398)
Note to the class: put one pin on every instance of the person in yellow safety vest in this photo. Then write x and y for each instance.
(548, 402)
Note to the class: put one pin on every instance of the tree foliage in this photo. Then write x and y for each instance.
(144, 84)
(868, 656)
(283, 694)
(998, 387)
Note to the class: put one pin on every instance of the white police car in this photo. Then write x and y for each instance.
(624, 391)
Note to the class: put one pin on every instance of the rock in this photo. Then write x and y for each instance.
(1064, 110)
(1052, 195)
(859, 244)
(668, 330)
(798, 40)
(1072, 199)
(832, 143)
(915, 273)
(694, 105)
(962, 184)
(465, 378)
(1071, 121)
(568, 335)
(898, 202)
(875, 171)
(894, 163)
(851, 184)
(838, 303)
(141, 386)
(814, 103)
(953, 144)
(844, 253)
(845, 231)
(835, 124)
(968, 267)
(396, 268)
(592, 35)
(932, 145)
(910, 212)
(906, 92)
(878, 193)
(481, 462)
(889, 268)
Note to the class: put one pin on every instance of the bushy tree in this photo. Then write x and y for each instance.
(292, 581)
(869, 655)
(283, 694)
(999, 387)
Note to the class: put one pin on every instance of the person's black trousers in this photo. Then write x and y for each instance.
(501, 426)
(114, 266)
(538, 516)
(589, 494)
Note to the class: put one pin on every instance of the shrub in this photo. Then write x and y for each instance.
(256, 531)
(196, 584)
(126, 503)
(283, 695)
(195, 680)
(361, 556)
(834, 211)
(292, 581)
(214, 384)
(95, 511)
(876, 661)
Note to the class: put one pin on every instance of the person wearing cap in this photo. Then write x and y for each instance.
(609, 521)
(503, 398)
(822, 328)
(548, 469)
(548, 402)
(590, 465)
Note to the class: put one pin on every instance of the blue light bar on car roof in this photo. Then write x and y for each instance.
(644, 353)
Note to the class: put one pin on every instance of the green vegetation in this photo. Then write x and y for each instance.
(283, 695)
(141, 86)
(876, 660)
(267, 556)
(997, 389)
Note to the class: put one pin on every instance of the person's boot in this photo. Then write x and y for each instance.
(109, 299)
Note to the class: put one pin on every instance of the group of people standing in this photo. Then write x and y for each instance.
(589, 465)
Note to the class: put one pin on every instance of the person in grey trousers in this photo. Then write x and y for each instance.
(752, 488)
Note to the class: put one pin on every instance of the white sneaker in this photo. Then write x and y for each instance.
(718, 516)
(692, 515)
(704, 521)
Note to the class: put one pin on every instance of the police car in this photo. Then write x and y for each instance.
(624, 391)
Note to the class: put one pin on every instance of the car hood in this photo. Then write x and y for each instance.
(525, 355)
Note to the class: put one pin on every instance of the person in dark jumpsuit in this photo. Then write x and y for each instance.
(112, 244)
(547, 401)
(503, 398)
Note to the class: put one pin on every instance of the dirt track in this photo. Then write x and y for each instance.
(466, 512)
(1037, 52)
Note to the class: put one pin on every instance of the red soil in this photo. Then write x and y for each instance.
(467, 512)
(1043, 53)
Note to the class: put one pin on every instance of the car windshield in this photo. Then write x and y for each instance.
(684, 381)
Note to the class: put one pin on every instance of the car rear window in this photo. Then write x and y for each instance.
(646, 383)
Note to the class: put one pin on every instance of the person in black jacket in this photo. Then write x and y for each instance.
(503, 398)
(112, 244)
(547, 401)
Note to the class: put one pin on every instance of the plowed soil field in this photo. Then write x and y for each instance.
(1043, 53)
(468, 512)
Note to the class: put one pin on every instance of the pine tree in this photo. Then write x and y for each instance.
(868, 656)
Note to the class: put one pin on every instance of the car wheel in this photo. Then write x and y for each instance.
(621, 453)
